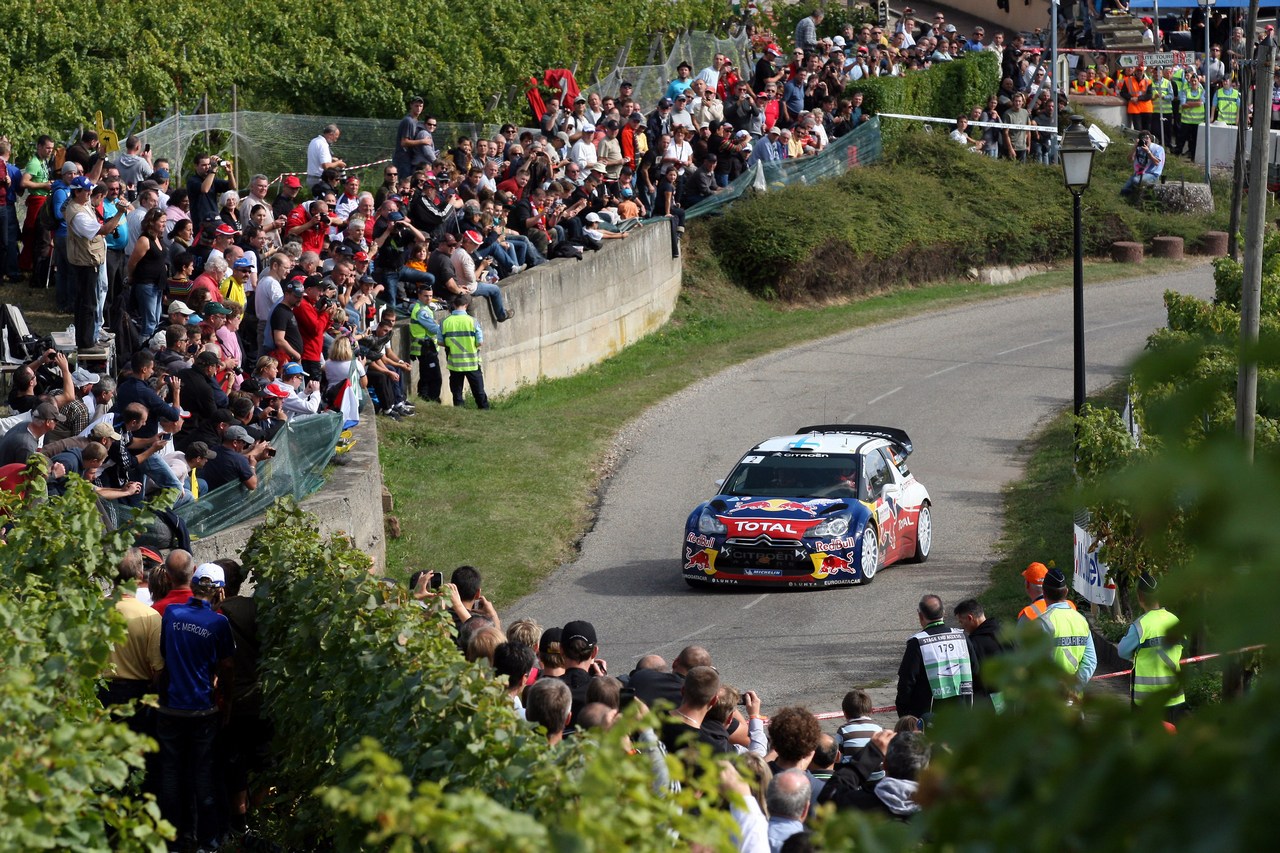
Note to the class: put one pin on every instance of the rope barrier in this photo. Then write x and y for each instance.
(280, 177)
(890, 709)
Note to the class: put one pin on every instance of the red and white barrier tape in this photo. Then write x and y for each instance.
(890, 709)
(280, 177)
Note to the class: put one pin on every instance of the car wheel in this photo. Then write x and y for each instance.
(924, 535)
(869, 554)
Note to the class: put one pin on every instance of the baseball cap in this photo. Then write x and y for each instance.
(742, 134)
(611, 124)
(838, 41)
(593, 217)
(581, 99)
(179, 307)
(417, 99)
(104, 429)
(80, 376)
(161, 174)
(216, 308)
(664, 104)
(395, 216)
(549, 636)
(360, 257)
(774, 129)
(294, 286)
(276, 389)
(242, 264)
(588, 128)
(80, 182)
(237, 433)
(473, 236)
(949, 28)
(626, 83)
(225, 230)
(636, 117)
(1035, 572)
(773, 49)
(209, 574)
(200, 450)
(47, 412)
(194, 319)
(578, 628)
(293, 369)
(314, 280)
(291, 181)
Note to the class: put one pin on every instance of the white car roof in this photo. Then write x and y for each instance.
(830, 442)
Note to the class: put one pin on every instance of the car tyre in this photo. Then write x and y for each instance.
(924, 535)
(869, 554)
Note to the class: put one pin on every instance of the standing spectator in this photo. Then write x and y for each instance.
(858, 728)
(135, 163)
(789, 795)
(411, 136)
(700, 692)
(1154, 644)
(179, 568)
(549, 703)
(580, 649)
(767, 73)
(462, 338)
(136, 662)
(87, 253)
(320, 154)
(11, 183)
(1033, 582)
(204, 187)
(936, 666)
(148, 270)
(423, 333)
(198, 646)
(287, 197)
(282, 326)
(37, 181)
(87, 154)
(681, 84)
(984, 644)
(806, 34)
(313, 322)
(1192, 111)
(1018, 142)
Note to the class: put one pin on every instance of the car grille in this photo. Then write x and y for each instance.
(762, 553)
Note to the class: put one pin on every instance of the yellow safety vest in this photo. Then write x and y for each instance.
(1164, 96)
(1193, 107)
(1228, 106)
(1156, 662)
(1070, 636)
(461, 343)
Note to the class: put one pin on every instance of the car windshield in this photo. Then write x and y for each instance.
(795, 475)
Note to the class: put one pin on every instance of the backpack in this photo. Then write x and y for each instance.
(46, 218)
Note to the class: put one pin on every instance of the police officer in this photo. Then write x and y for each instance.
(1073, 648)
(1192, 99)
(937, 665)
(423, 332)
(1226, 103)
(1154, 644)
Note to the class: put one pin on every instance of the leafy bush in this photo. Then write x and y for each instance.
(383, 727)
(944, 91)
(928, 210)
(65, 765)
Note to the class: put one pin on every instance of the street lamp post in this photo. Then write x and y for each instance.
(1076, 154)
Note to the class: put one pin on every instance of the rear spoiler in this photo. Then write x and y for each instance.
(891, 434)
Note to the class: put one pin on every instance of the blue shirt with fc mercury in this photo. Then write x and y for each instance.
(193, 638)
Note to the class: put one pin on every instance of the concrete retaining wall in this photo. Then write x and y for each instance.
(350, 501)
(572, 314)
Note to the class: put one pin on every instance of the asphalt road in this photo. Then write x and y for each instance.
(969, 385)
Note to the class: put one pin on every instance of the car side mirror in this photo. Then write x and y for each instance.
(719, 482)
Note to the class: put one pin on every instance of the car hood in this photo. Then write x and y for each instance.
(777, 518)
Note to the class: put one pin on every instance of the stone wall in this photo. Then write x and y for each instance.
(350, 501)
(572, 314)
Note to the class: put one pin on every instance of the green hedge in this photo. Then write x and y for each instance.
(930, 210)
(944, 91)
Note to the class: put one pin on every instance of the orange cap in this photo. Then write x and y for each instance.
(1035, 572)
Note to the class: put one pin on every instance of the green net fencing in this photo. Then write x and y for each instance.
(858, 148)
(649, 82)
(303, 447)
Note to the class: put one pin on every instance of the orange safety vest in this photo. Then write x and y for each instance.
(1080, 87)
(1036, 609)
(1135, 88)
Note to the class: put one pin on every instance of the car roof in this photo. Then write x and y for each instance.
(842, 442)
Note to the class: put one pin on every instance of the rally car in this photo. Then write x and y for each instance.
(827, 506)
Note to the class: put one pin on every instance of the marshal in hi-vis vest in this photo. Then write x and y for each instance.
(1156, 662)
(947, 664)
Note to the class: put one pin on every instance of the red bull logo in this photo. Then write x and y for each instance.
(702, 561)
(825, 565)
(776, 505)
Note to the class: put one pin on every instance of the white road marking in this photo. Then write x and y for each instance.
(1026, 346)
(701, 630)
(882, 396)
(1111, 325)
(948, 369)
(762, 597)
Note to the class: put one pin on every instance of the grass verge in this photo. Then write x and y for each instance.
(513, 490)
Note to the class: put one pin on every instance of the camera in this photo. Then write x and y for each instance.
(323, 303)
(325, 218)
(436, 580)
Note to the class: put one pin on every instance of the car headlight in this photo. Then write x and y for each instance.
(835, 526)
(708, 523)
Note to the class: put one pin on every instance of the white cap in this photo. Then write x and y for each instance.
(180, 307)
(210, 573)
(593, 217)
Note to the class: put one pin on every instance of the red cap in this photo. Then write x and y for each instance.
(291, 181)
(474, 237)
(360, 256)
(226, 230)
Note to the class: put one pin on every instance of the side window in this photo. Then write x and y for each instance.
(876, 473)
(899, 460)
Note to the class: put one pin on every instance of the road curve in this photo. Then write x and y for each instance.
(969, 384)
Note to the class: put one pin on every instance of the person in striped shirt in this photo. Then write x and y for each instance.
(858, 728)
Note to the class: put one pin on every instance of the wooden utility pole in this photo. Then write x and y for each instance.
(1255, 229)
(1247, 78)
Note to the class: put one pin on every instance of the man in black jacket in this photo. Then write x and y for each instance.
(936, 666)
(984, 644)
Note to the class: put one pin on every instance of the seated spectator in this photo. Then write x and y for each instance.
(723, 721)
(302, 400)
(894, 795)
(236, 460)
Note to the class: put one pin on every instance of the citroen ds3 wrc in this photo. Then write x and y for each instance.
(830, 505)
